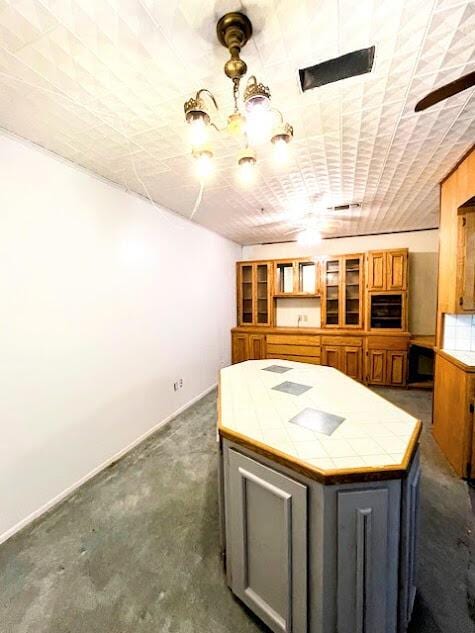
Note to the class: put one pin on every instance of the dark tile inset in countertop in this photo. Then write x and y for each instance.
(294, 388)
(278, 369)
(316, 420)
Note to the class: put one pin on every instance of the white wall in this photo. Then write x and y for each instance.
(105, 301)
(417, 241)
(288, 310)
(423, 248)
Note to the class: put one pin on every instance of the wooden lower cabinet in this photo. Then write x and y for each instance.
(240, 347)
(257, 346)
(383, 363)
(453, 428)
(396, 368)
(353, 362)
(301, 348)
(344, 354)
(386, 360)
(247, 347)
(376, 366)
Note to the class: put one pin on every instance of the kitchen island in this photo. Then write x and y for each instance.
(319, 482)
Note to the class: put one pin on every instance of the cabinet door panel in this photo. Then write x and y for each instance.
(352, 357)
(262, 294)
(240, 348)
(257, 346)
(466, 261)
(396, 368)
(332, 356)
(363, 534)
(376, 367)
(245, 294)
(377, 271)
(267, 543)
(409, 535)
(397, 270)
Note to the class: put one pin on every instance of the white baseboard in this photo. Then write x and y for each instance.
(65, 493)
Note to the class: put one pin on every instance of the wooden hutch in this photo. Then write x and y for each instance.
(363, 307)
(454, 387)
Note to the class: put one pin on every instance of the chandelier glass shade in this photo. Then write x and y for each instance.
(254, 120)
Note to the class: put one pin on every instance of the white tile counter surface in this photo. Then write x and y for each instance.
(467, 358)
(375, 433)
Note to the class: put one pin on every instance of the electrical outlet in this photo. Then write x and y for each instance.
(180, 383)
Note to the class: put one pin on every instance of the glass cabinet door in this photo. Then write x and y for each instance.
(285, 278)
(352, 289)
(262, 292)
(307, 277)
(332, 289)
(246, 307)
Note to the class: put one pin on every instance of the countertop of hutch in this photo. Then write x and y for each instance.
(329, 331)
(374, 439)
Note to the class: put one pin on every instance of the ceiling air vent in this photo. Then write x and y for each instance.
(349, 65)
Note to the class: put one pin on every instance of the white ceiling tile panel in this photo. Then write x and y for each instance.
(103, 82)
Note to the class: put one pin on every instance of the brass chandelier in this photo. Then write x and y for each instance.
(260, 121)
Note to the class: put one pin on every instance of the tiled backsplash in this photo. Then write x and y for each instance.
(459, 332)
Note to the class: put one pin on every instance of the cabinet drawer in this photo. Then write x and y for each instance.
(353, 341)
(314, 360)
(292, 339)
(296, 350)
(388, 342)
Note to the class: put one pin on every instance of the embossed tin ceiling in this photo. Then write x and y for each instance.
(102, 83)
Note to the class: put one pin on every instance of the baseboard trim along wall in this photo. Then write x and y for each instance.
(71, 489)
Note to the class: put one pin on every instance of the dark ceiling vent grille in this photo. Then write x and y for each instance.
(349, 65)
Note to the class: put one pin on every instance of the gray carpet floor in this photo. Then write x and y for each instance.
(137, 550)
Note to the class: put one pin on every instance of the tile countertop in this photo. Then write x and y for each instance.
(376, 440)
(466, 358)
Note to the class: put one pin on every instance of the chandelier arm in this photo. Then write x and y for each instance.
(218, 129)
(277, 111)
(210, 95)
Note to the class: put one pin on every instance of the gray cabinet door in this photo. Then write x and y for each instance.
(364, 549)
(409, 532)
(266, 525)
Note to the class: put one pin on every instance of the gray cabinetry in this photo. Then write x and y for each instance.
(358, 564)
(266, 529)
(409, 532)
(363, 561)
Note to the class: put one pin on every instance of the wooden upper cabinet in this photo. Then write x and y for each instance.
(245, 292)
(377, 270)
(254, 293)
(396, 278)
(387, 270)
(466, 259)
(296, 277)
(284, 278)
(342, 292)
(352, 291)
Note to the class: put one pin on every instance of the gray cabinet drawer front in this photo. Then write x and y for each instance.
(267, 543)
